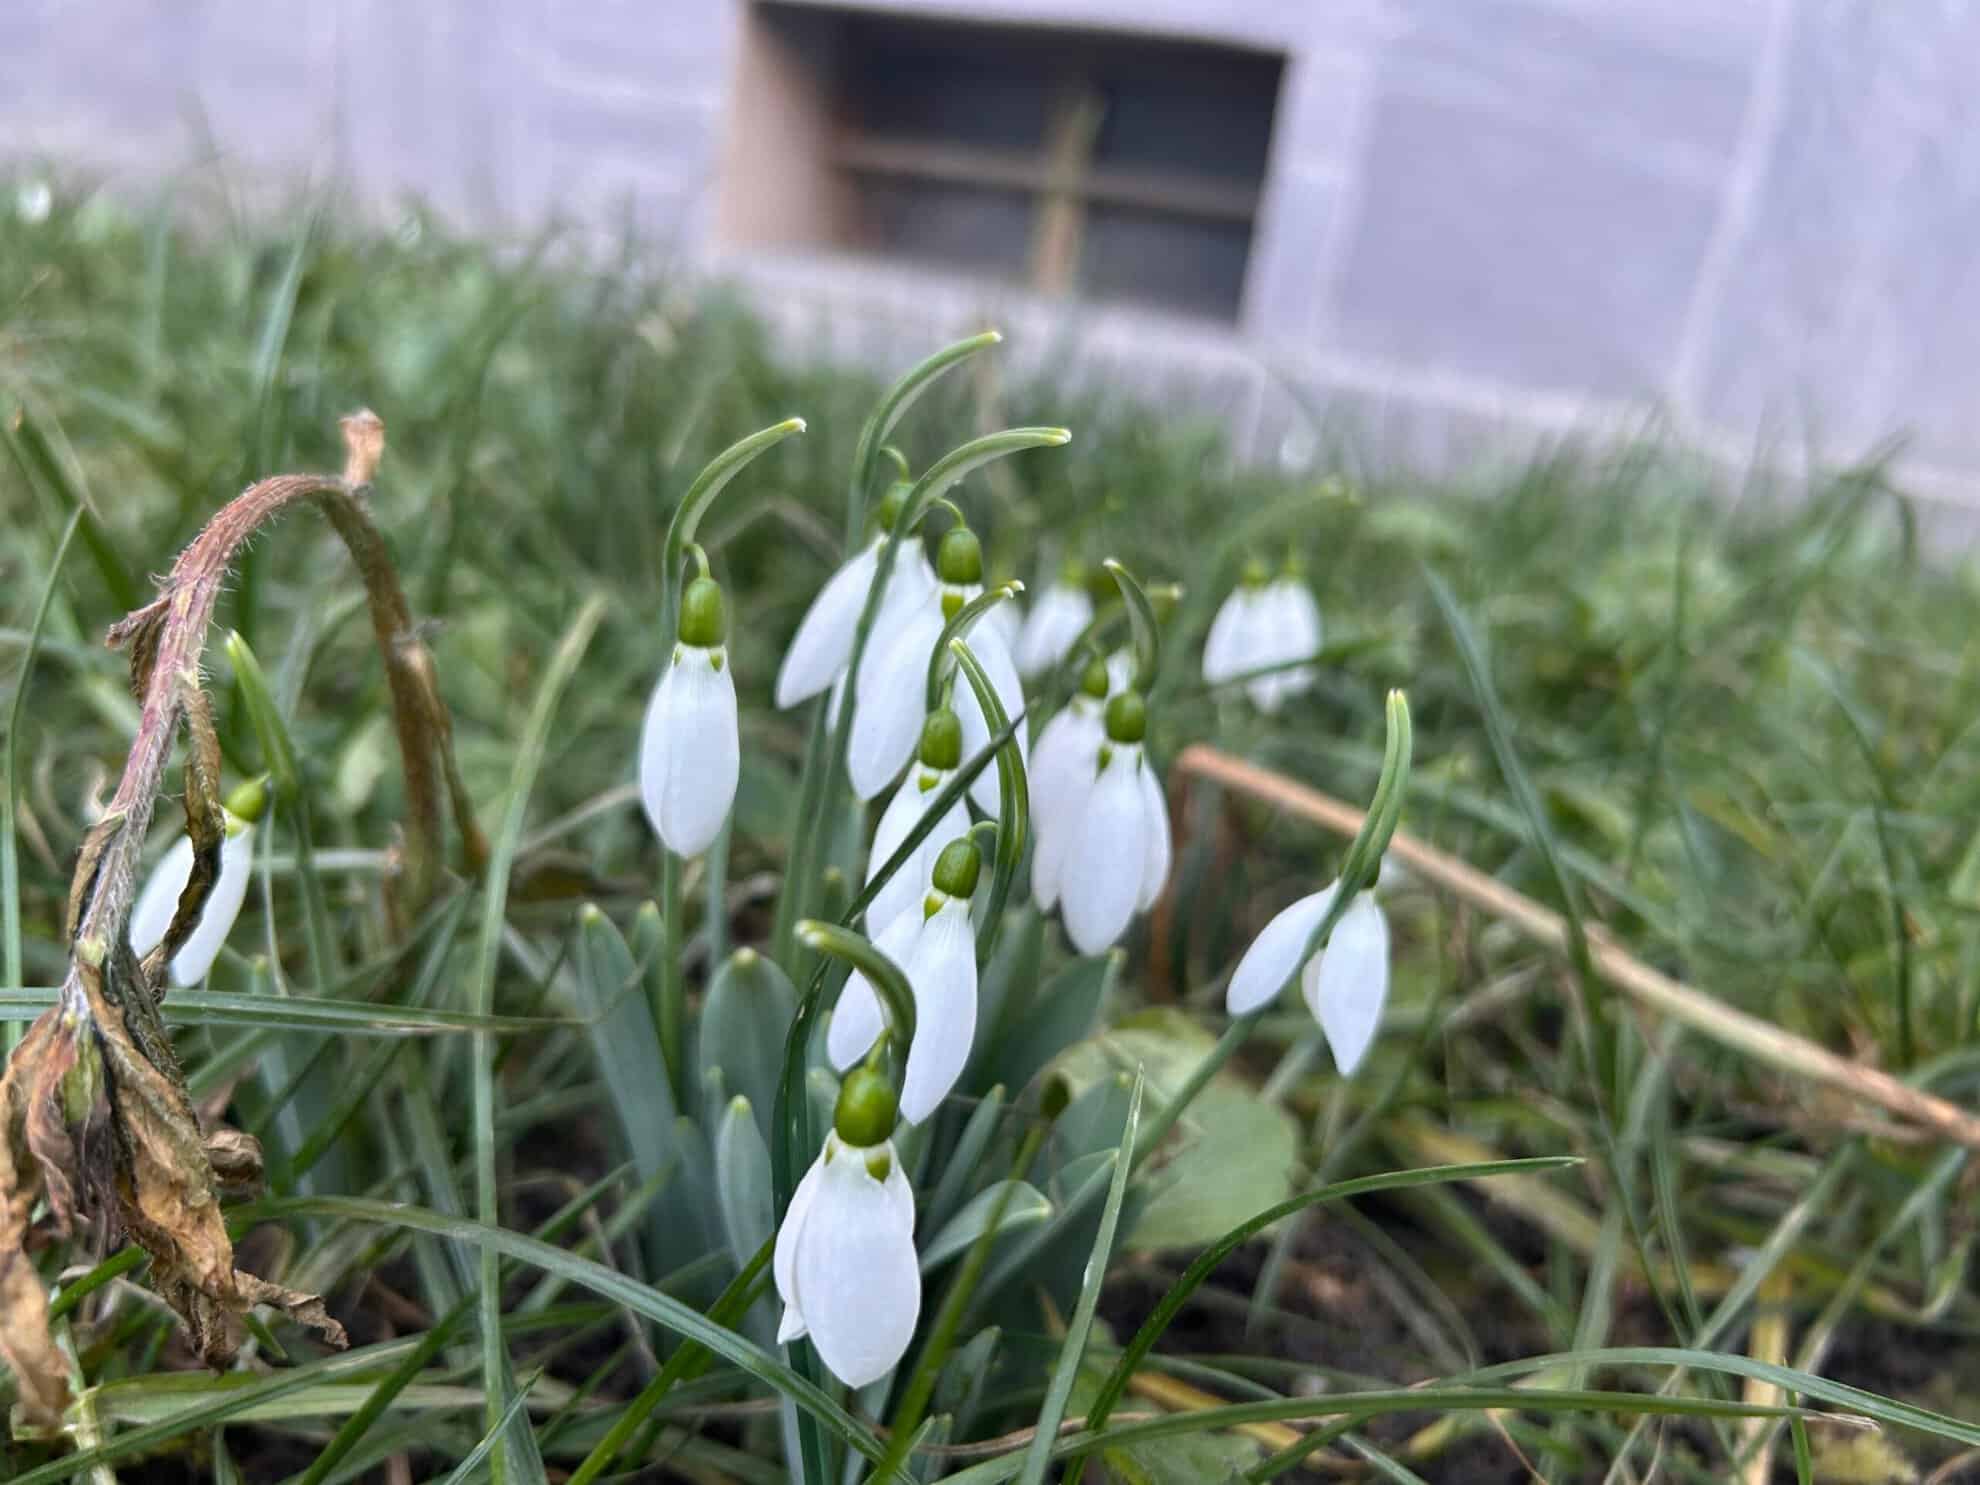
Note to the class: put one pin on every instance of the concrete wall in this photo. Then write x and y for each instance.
(1484, 219)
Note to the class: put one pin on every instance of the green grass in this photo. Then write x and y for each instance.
(1736, 734)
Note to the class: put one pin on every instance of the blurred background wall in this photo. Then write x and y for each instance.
(1450, 226)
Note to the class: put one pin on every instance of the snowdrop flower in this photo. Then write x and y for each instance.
(822, 647)
(1116, 851)
(936, 761)
(689, 753)
(844, 1263)
(1055, 622)
(1063, 766)
(887, 692)
(1345, 984)
(1264, 623)
(151, 919)
(936, 949)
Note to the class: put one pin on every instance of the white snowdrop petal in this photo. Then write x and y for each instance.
(783, 1257)
(1054, 816)
(1348, 983)
(1120, 672)
(1155, 857)
(942, 971)
(1100, 878)
(890, 695)
(857, 1020)
(223, 905)
(996, 662)
(835, 700)
(856, 1275)
(690, 751)
(1055, 622)
(1275, 953)
(1006, 620)
(823, 643)
(906, 887)
(1302, 617)
(1223, 646)
(152, 916)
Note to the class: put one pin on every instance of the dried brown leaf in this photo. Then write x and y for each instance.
(32, 1130)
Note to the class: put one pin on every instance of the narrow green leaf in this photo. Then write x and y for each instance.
(1066, 1371)
(893, 405)
(1141, 623)
(278, 749)
(1205, 1263)
(1013, 796)
(299, 1013)
(887, 978)
(481, 991)
(10, 766)
(607, 1283)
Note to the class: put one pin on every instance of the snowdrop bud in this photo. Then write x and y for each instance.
(151, 918)
(690, 752)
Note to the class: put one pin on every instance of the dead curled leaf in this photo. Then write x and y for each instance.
(167, 1179)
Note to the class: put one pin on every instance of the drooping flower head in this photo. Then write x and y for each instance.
(1266, 621)
(1116, 856)
(1345, 983)
(935, 946)
(151, 918)
(689, 749)
(1055, 622)
(844, 1262)
(822, 648)
(1063, 766)
(888, 691)
(937, 757)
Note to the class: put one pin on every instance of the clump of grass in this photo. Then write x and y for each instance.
(1737, 740)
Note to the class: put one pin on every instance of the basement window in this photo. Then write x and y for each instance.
(1073, 163)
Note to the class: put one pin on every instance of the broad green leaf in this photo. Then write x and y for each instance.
(1026, 1207)
(1234, 1152)
(744, 1017)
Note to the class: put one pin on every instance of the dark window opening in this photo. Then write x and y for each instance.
(1116, 168)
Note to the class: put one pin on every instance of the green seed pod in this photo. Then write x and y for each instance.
(248, 801)
(941, 740)
(867, 1109)
(957, 867)
(888, 510)
(1093, 680)
(959, 556)
(1127, 718)
(704, 614)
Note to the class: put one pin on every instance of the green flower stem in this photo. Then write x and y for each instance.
(948, 1320)
(941, 662)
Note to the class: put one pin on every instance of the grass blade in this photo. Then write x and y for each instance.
(481, 993)
(1066, 1372)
